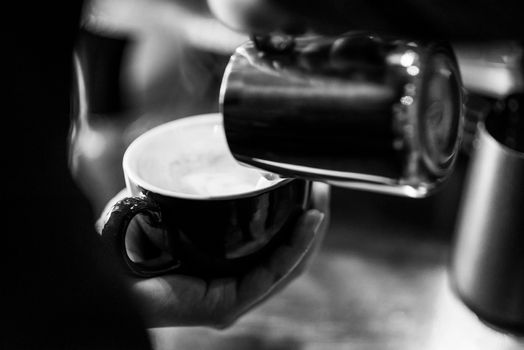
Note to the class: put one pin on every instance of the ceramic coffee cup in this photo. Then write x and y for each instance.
(208, 215)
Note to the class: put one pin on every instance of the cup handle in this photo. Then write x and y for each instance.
(115, 230)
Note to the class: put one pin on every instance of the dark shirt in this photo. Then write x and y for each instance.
(59, 289)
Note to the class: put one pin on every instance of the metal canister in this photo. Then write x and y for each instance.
(488, 257)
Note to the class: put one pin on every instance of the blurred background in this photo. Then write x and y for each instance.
(380, 280)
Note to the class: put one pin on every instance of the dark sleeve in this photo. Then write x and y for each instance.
(464, 20)
(59, 289)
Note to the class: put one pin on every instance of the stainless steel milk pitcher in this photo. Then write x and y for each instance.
(358, 110)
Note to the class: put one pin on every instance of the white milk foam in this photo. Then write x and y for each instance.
(196, 160)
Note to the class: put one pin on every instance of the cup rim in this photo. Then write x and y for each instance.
(206, 118)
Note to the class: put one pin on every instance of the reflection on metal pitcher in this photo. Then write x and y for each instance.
(358, 110)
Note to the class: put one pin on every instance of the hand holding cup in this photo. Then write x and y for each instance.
(200, 256)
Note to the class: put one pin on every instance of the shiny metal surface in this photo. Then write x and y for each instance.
(357, 111)
(488, 259)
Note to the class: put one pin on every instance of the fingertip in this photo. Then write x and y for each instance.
(313, 218)
(318, 219)
(306, 228)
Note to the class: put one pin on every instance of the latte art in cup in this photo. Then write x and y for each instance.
(211, 175)
(219, 177)
(196, 162)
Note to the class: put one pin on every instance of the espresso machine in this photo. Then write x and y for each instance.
(385, 114)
